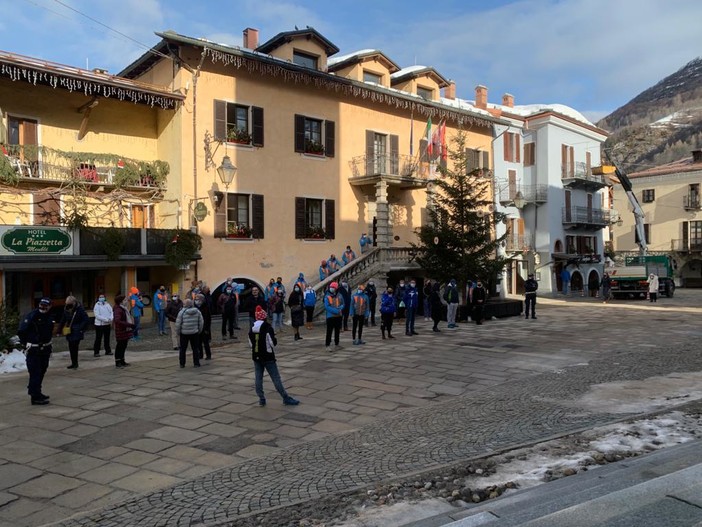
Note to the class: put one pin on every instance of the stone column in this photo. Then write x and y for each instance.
(382, 214)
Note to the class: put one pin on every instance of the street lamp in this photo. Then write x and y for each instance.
(226, 171)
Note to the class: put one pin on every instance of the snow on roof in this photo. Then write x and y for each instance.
(342, 58)
(408, 69)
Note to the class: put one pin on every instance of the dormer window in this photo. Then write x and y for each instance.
(369, 76)
(305, 59)
(425, 93)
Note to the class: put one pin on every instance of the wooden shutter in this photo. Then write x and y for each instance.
(512, 183)
(486, 160)
(571, 159)
(47, 208)
(299, 133)
(220, 218)
(564, 161)
(300, 226)
(507, 140)
(588, 161)
(329, 219)
(472, 160)
(220, 120)
(370, 153)
(3, 128)
(257, 216)
(517, 148)
(686, 236)
(394, 154)
(257, 126)
(329, 138)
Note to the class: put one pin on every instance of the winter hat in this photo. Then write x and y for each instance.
(45, 301)
(260, 313)
(334, 285)
(324, 262)
(134, 291)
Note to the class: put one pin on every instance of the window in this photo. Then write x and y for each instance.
(46, 208)
(647, 233)
(567, 162)
(529, 154)
(648, 195)
(240, 216)
(314, 218)
(314, 136)
(369, 76)
(305, 59)
(22, 133)
(237, 123)
(477, 159)
(425, 93)
(142, 216)
(581, 245)
(511, 147)
(695, 239)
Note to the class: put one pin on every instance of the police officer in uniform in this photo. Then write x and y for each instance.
(35, 333)
(530, 287)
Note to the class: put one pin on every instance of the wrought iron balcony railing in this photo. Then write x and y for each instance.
(530, 193)
(580, 171)
(516, 244)
(692, 244)
(692, 202)
(586, 216)
(386, 165)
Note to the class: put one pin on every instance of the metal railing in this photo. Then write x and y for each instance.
(586, 215)
(581, 171)
(385, 165)
(530, 193)
(516, 244)
(693, 244)
(692, 202)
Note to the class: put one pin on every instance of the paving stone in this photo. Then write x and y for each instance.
(144, 481)
(169, 466)
(149, 445)
(46, 486)
(175, 435)
(103, 420)
(108, 473)
(12, 474)
(332, 427)
(223, 430)
(25, 451)
(256, 451)
(82, 497)
(135, 458)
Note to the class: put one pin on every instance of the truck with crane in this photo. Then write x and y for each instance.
(631, 280)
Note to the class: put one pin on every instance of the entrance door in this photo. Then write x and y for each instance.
(576, 281)
(380, 153)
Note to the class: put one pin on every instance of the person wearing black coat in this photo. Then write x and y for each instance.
(372, 293)
(479, 299)
(73, 327)
(296, 304)
(206, 333)
(255, 300)
(345, 293)
(436, 303)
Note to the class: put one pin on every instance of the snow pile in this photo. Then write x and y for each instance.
(13, 362)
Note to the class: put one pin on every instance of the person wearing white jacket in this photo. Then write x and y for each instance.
(103, 324)
(653, 287)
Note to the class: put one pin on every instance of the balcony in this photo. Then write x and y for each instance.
(585, 218)
(692, 202)
(580, 176)
(691, 245)
(530, 193)
(34, 163)
(516, 244)
(397, 170)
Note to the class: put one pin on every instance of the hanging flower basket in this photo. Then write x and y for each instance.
(236, 135)
(314, 148)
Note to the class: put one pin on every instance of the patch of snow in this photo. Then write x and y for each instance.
(342, 58)
(408, 69)
(13, 362)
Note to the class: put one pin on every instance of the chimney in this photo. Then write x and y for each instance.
(697, 156)
(508, 100)
(481, 96)
(250, 38)
(450, 91)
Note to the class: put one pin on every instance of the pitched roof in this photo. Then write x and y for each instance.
(358, 56)
(412, 72)
(287, 36)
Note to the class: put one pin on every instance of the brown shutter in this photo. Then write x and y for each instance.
(571, 151)
(394, 154)
(512, 183)
(300, 227)
(507, 139)
(257, 126)
(220, 218)
(686, 236)
(470, 162)
(329, 139)
(47, 209)
(370, 153)
(486, 160)
(299, 133)
(517, 148)
(220, 120)
(329, 219)
(564, 161)
(257, 216)
(423, 144)
(588, 161)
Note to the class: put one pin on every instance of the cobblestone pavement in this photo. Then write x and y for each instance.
(156, 445)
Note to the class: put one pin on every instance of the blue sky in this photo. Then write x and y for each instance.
(592, 55)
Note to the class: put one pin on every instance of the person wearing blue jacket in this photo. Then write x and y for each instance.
(360, 310)
(324, 271)
(387, 312)
(348, 255)
(411, 300)
(310, 300)
(334, 306)
(365, 242)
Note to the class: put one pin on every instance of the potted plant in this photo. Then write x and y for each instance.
(239, 135)
(238, 230)
(316, 233)
(314, 147)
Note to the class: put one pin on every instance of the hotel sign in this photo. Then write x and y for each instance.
(36, 240)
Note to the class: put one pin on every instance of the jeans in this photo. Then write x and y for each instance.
(228, 323)
(272, 368)
(102, 333)
(427, 308)
(277, 320)
(565, 287)
(451, 314)
(162, 321)
(194, 341)
(137, 325)
(333, 325)
(358, 321)
(37, 364)
(409, 321)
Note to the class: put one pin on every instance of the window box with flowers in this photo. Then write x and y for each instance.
(239, 136)
(316, 233)
(314, 147)
(239, 230)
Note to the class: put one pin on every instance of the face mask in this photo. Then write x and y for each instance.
(401, 284)
(44, 309)
(344, 284)
(360, 291)
(229, 291)
(332, 290)
(371, 283)
(175, 298)
(297, 289)
(162, 289)
(413, 284)
(101, 299)
(198, 303)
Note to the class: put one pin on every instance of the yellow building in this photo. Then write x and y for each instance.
(670, 198)
(322, 146)
(82, 151)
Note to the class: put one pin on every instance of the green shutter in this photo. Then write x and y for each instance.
(257, 126)
(220, 120)
(257, 216)
(300, 227)
(329, 138)
(329, 219)
(299, 133)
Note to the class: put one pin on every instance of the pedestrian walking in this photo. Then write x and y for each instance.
(270, 291)
(173, 307)
(160, 302)
(399, 297)
(35, 332)
(348, 255)
(452, 298)
(103, 324)
(345, 292)
(206, 333)
(372, 293)
(301, 282)
(189, 325)
(388, 307)
(653, 284)
(360, 310)
(333, 306)
(263, 343)
(72, 327)
(310, 303)
(333, 264)
(530, 287)
(366, 243)
(479, 300)
(136, 307)
(411, 300)
(437, 303)
(606, 287)
(296, 303)
(324, 271)
(426, 297)
(565, 280)
(124, 329)
(226, 303)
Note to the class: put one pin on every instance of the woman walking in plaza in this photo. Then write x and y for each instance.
(72, 327)
(189, 325)
(206, 334)
(296, 302)
(124, 329)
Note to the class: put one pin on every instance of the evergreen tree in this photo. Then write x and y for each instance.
(458, 241)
